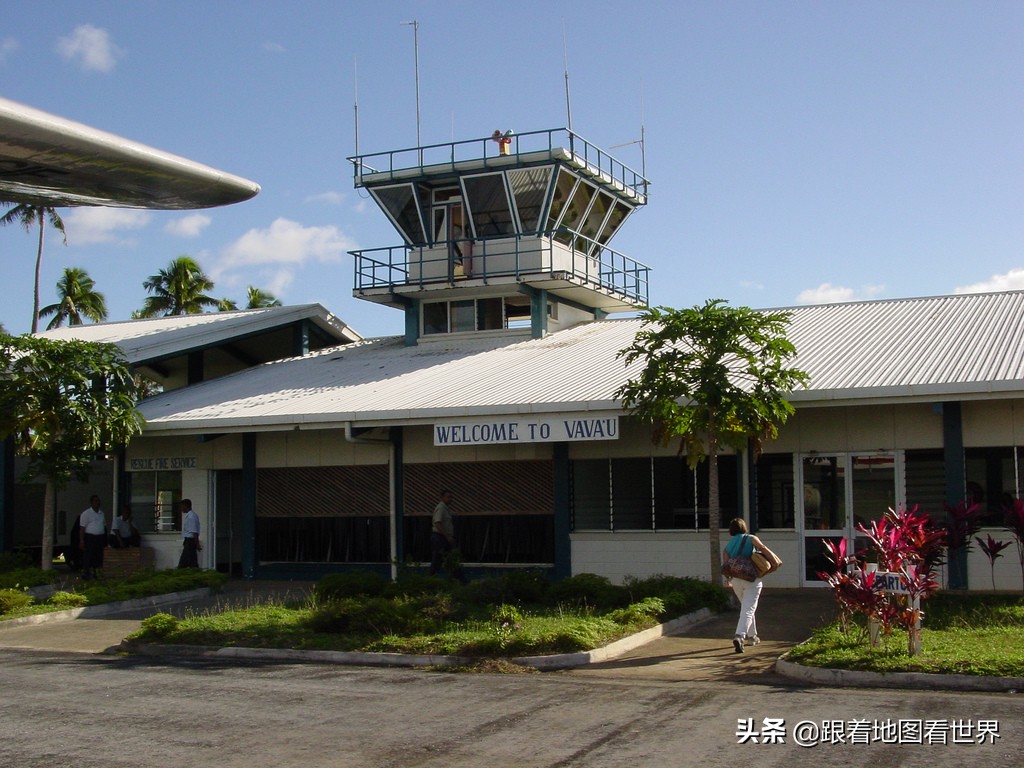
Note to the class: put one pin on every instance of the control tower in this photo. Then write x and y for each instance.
(504, 234)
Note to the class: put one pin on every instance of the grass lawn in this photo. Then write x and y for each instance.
(969, 634)
(517, 614)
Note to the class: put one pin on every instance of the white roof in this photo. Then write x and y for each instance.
(161, 337)
(941, 348)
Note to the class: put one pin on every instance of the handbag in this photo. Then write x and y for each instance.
(739, 567)
(765, 562)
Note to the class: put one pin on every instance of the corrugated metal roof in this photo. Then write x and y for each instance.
(932, 348)
(152, 338)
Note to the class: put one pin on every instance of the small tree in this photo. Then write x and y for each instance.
(64, 402)
(715, 373)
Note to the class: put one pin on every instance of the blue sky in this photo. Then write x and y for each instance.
(800, 152)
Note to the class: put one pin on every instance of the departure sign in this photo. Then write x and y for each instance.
(526, 430)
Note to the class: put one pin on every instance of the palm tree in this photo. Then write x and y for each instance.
(178, 290)
(30, 216)
(258, 299)
(78, 299)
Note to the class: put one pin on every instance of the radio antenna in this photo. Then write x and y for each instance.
(565, 59)
(416, 51)
(355, 93)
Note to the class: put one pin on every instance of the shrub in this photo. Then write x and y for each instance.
(64, 600)
(588, 590)
(15, 561)
(369, 616)
(26, 577)
(13, 600)
(336, 586)
(159, 626)
(648, 610)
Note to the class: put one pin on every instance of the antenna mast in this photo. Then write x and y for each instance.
(416, 51)
(565, 58)
(355, 105)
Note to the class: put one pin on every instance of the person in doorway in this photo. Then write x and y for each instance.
(742, 544)
(191, 546)
(442, 537)
(125, 533)
(92, 537)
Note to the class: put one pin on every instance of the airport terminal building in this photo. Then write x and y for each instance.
(306, 448)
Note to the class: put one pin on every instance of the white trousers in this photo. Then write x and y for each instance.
(748, 593)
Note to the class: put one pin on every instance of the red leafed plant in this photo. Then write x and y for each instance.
(963, 520)
(904, 542)
(1014, 523)
(993, 550)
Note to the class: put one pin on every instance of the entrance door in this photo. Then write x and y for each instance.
(841, 492)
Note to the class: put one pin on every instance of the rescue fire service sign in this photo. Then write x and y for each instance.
(526, 430)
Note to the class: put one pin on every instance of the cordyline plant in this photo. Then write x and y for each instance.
(1014, 523)
(905, 542)
(963, 521)
(993, 551)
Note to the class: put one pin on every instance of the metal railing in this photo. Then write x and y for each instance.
(439, 157)
(554, 253)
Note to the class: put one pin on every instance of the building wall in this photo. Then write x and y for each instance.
(989, 423)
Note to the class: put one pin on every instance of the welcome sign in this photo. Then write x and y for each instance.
(526, 430)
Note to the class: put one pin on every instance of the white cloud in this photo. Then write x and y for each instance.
(1009, 281)
(101, 225)
(188, 226)
(280, 249)
(826, 293)
(330, 198)
(91, 48)
(7, 46)
(273, 47)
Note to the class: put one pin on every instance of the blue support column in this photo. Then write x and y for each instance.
(538, 314)
(398, 455)
(956, 473)
(249, 505)
(563, 513)
(412, 323)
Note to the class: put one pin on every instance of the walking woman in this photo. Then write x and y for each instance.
(743, 545)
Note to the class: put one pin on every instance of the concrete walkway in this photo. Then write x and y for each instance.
(704, 652)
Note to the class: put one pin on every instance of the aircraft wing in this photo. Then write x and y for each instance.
(47, 160)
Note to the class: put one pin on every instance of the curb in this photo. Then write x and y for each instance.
(106, 609)
(360, 658)
(851, 678)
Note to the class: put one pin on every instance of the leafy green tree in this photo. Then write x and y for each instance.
(178, 290)
(257, 298)
(64, 402)
(30, 216)
(78, 299)
(711, 373)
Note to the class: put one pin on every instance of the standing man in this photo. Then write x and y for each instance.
(190, 544)
(442, 537)
(92, 537)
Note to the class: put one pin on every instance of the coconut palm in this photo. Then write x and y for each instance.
(79, 300)
(178, 290)
(258, 299)
(30, 216)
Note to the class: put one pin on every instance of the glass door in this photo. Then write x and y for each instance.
(840, 493)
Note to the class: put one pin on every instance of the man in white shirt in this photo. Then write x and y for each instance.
(92, 537)
(190, 544)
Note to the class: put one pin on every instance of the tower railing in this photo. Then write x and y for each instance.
(558, 254)
(434, 158)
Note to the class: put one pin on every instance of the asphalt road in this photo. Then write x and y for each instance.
(92, 711)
